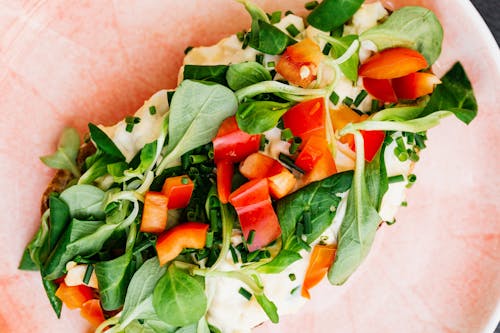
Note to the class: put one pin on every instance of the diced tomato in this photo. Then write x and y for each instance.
(381, 89)
(178, 191)
(170, 244)
(306, 118)
(232, 144)
(74, 297)
(321, 259)
(393, 63)
(92, 311)
(255, 212)
(225, 171)
(299, 63)
(281, 184)
(258, 165)
(324, 167)
(311, 152)
(372, 142)
(415, 85)
(341, 117)
(154, 215)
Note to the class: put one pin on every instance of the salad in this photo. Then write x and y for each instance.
(221, 204)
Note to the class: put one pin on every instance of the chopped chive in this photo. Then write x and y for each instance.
(347, 101)
(334, 98)
(129, 128)
(327, 48)
(360, 98)
(132, 120)
(246, 40)
(197, 159)
(152, 110)
(214, 219)
(410, 138)
(289, 162)
(187, 49)
(403, 156)
(292, 277)
(306, 218)
(210, 239)
(88, 274)
(414, 156)
(292, 30)
(170, 94)
(272, 73)
(245, 293)
(337, 32)
(251, 236)
(288, 12)
(193, 172)
(294, 290)
(401, 144)
(263, 142)
(412, 178)
(375, 106)
(185, 180)
(210, 153)
(271, 64)
(234, 255)
(286, 134)
(241, 35)
(202, 254)
(390, 222)
(259, 57)
(185, 161)
(311, 5)
(396, 179)
(275, 17)
(420, 141)
(404, 204)
(294, 146)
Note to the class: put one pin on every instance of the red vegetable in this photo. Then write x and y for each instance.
(255, 212)
(324, 167)
(178, 191)
(381, 89)
(321, 259)
(258, 165)
(312, 150)
(306, 118)
(92, 311)
(393, 63)
(372, 142)
(74, 297)
(154, 215)
(225, 171)
(232, 144)
(299, 63)
(170, 244)
(415, 85)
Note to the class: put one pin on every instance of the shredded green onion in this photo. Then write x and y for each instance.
(412, 178)
(347, 101)
(311, 5)
(334, 98)
(152, 110)
(292, 30)
(271, 64)
(290, 163)
(292, 277)
(240, 35)
(197, 159)
(210, 239)
(259, 57)
(286, 134)
(234, 255)
(245, 293)
(396, 179)
(360, 98)
(327, 48)
(275, 17)
(88, 274)
(375, 106)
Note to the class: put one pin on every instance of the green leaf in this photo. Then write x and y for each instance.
(50, 289)
(269, 307)
(279, 263)
(454, 94)
(26, 263)
(196, 113)
(179, 299)
(376, 178)
(60, 217)
(215, 73)
(331, 14)
(104, 143)
(339, 47)
(66, 154)
(84, 201)
(413, 27)
(268, 39)
(256, 117)
(245, 74)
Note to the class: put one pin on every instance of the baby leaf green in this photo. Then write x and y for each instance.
(104, 143)
(84, 201)
(67, 151)
(256, 117)
(245, 74)
(331, 14)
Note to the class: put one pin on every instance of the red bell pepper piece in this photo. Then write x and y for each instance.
(178, 191)
(381, 89)
(92, 311)
(299, 63)
(321, 259)
(154, 215)
(306, 118)
(311, 152)
(324, 167)
(74, 297)
(255, 212)
(393, 63)
(258, 165)
(415, 85)
(232, 144)
(372, 142)
(225, 171)
(187, 235)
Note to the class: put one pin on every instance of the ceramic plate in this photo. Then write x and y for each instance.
(436, 270)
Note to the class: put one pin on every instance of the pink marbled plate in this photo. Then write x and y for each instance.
(62, 64)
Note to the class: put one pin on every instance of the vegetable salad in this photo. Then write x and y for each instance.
(222, 203)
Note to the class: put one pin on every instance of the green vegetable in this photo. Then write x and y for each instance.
(104, 143)
(60, 216)
(269, 307)
(196, 113)
(66, 154)
(331, 14)
(286, 91)
(245, 74)
(413, 27)
(279, 263)
(339, 47)
(454, 94)
(376, 179)
(26, 263)
(215, 73)
(178, 298)
(256, 117)
(84, 201)
(359, 225)
(50, 289)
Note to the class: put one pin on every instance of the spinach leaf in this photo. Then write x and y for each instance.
(50, 289)
(26, 263)
(331, 14)
(38, 246)
(139, 301)
(117, 170)
(454, 94)
(104, 143)
(413, 27)
(376, 178)
(178, 298)
(215, 73)
(148, 154)
(196, 113)
(60, 217)
(359, 225)
(279, 263)
(269, 307)
(84, 201)
(256, 117)
(98, 168)
(339, 47)
(245, 74)
(319, 199)
(66, 154)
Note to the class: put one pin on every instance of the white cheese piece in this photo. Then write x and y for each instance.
(146, 131)
(365, 18)
(76, 273)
